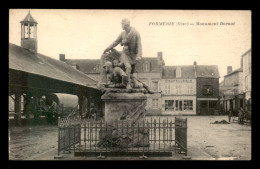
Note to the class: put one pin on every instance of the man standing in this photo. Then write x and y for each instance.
(132, 50)
(241, 116)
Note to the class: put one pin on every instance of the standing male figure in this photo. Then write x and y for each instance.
(241, 116)
(132, 51)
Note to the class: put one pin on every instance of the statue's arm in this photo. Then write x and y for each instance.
(116, 42)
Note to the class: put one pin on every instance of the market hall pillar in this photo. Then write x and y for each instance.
(80, 102)
(17, 108)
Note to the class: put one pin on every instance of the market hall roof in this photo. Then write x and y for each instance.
(22, 59)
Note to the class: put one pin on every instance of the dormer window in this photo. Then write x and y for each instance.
(146, 66)
(178, 72)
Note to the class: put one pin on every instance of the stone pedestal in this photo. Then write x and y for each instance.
(124, 116)
(120, 105)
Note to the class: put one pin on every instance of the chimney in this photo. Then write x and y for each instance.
(62, 57)
(229, 69)
(195, 63)
(160, 55)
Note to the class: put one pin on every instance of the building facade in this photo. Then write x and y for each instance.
(231, 91)
(246, 78)
(235, 90)
(175, 87)
(207, 89)
(179, 90)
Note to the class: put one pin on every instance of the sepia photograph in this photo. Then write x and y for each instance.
(103, 84)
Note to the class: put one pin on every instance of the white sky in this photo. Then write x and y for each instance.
(84, 34)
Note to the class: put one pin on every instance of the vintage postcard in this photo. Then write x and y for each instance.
(129, 84)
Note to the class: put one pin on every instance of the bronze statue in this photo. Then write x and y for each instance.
(125, 61)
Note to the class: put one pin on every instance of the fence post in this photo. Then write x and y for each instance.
(143, 156)
(58, 141)
(186, 140)
(175, 145)
(58, 156)
(101, 127)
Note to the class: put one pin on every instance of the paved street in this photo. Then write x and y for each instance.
(205, 141)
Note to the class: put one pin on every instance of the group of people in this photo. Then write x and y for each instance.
(241, 115)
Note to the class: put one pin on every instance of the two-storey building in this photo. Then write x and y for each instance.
(235, 90)
(207, 89)
(231, 90)
(179, 90)
(246, 78)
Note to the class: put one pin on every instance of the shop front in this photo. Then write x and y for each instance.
(207, 106)
(179, 105)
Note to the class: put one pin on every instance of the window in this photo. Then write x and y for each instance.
(187, 105)
(207, 90)
(178, 72)
(167, 89)
(146, 66)
(155, 86)
(169, 104)
(26, 28)
(178, 105)
(155, 103)
(178, 89)
(189, 89)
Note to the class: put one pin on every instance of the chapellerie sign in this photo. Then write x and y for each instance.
(179, 81)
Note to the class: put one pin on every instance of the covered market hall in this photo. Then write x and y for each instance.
(33, 75)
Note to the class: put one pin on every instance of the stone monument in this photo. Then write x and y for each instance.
(124, 108)
(124, 94)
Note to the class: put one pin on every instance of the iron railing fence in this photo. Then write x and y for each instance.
(181, 134)
(149, 137)
(131, 141)
(68, 133)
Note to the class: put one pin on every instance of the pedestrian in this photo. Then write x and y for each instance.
(230, 114)
(93, 111)
(241, 116)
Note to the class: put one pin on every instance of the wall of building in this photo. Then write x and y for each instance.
(207, 102)
(214, 82)
(232, 79)
(30, 44)
(150, 78)
(247, 74)
(178, 86)
(154, 104)
(240, 82)
(182, 91)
